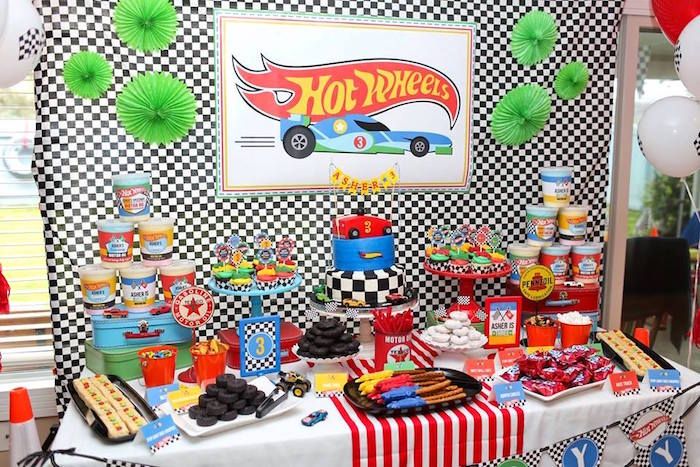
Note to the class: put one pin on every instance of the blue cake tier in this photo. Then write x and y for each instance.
(363, 254)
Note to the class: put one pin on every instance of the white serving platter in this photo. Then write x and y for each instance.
(559, 395)
(190, 427)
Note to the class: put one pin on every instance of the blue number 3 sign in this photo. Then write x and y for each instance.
(259, 345)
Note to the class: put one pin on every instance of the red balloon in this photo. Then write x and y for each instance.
(674, 15)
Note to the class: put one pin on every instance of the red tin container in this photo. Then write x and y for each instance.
(391, 348)
(290, 336)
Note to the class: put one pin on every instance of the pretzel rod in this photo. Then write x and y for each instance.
(417, 371)
(441, 399)
(433, 388)
(429, 382)
(428, 375)
(441, 394)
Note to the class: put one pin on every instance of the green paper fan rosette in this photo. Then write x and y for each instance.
(533, 37)
(571, 80)
(156, 108)
(520, 115)
(87, 75)
(146, 25)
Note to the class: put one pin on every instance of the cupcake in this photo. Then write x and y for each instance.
(266, 279)
(222, 272)
(459, 254)
(459, 266)
(285, 278)
(481, 265)
(247, 267)
(241, 284)
(439, 262)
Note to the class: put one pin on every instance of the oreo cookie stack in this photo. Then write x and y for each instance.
(328, 339)
(226, 400)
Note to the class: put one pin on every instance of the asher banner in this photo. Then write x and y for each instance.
(297, 92)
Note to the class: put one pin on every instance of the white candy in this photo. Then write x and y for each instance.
(474, 335)
(573, 317)
(440, 329)
(459, 340)
(461, 331)
(442, 338)
(460, 316)
(453, 324)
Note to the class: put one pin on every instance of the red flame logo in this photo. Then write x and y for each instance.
(368, 87)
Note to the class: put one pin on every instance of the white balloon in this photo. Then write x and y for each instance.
(669, 135)
(687, 57)
(21, 44)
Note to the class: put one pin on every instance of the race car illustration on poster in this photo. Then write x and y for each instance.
(356, 133)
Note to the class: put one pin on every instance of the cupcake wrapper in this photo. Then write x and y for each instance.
(439, 265)
(460, 269)
(267, 285)
(242, 288)
(285, 282)
(226, 285)
(497, 267)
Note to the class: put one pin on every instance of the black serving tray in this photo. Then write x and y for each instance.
(612, 355)
(470, 385)
(97, 424)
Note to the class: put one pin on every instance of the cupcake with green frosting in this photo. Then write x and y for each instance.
(481, 264)
(439, 261)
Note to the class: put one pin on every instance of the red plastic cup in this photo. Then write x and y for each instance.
(158, 371)
(574, 334)
(541, 336)
(642, 335)
(391, 348)
(210, 365)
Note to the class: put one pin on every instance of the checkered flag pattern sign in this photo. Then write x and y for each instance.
(75, 134)
(563, 451)
(697, 144)
(463, 300)
(528, 459)
(669, 449)
(31, 43)
(331, 307)
(630, 424)
(270, 362)
(677, 57)
(351, 313)
(441, 312)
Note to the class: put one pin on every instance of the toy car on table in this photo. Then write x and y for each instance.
(314, 418)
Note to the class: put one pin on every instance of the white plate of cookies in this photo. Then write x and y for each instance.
(456, 334)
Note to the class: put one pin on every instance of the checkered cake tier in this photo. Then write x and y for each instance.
(371, 287)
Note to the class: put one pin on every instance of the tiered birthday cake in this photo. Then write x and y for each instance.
(364, 272)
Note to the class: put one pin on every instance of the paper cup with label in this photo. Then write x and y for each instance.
(156, 241)
(138, 287)
(573, 221)
(585, 262)
(556, 186)
(176, 277)
(541, 225)
(521, 256)
(556, 258)
(116, 240)
(133, 196)
(99, 288)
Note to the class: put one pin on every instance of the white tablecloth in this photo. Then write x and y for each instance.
(284, 441)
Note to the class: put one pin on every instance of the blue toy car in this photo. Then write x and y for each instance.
(356, 133)
(314, 417)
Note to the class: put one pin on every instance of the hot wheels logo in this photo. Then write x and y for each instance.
(368, 87)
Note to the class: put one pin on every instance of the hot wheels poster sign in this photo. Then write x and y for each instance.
(299, 92)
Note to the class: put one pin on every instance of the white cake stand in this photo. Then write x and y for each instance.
(365, 317)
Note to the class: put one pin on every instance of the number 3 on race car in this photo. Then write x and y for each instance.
(360, 142)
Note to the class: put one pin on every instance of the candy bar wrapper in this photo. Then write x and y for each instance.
(548, 388)
(571, 373)
(534, 364)
(512, 374)
(582, 379)
(553, 374)
(529, 384)
(595, 362)
(603, 372)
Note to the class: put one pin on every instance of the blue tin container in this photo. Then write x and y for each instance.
(140, 329)
(363, 254)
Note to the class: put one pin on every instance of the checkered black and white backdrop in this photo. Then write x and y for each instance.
(80, 146)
